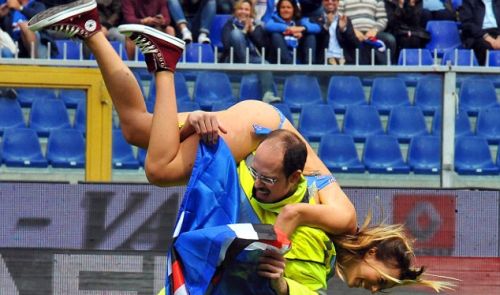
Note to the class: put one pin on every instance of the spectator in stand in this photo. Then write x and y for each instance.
(369, 19)
(241, 34)
(288, 32)
(14, 16)
(437, 10)
(152, 13)
(337, 36)
(52, 3)
(405, 24)
(480, 26)
(110, 15)
(201, 14)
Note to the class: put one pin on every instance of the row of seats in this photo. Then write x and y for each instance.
(382, 154)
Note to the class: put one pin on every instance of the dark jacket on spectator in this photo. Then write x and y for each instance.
(472, 16)
(110, 12)
(135, 10)
(405, 24)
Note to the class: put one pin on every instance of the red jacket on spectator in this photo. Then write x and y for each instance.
(135, 10)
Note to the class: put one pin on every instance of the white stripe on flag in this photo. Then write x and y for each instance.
(179, 225)
(244, 231)
(181, 290)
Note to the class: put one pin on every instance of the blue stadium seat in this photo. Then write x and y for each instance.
(383, 155)
(473, 157)
(216, 29)
(187, 106)
(81, 117)
(123, 155)
(47, 115)
(444, 36)
(181, 88)
(406, 122)
(285, 110)
(344, 91)
(488, 125)
(424, 154)
(494, 58)
(250, 87)
(429, 94)
(11, 114)
(316, 121)
(387, 93)
(71, 97)
(456, 4)
(68, 49)
(21, 148)
(415, 57)
(223, 105)
(141, 156)
(477, 94)
(362, 121)
(66, 149)
(211, 87)
(460, 57)
(26, 96)
(300, 90)
(119, 48)
(462, 124)
(198, 53)
(338, 153)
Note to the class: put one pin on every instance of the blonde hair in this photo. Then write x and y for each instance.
(393, 246)
(239, 3)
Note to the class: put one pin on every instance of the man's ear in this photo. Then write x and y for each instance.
(295, 176)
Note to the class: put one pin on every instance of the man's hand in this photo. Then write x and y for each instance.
(361, 37)
(206, 126)
(272, 266)
(14, 4)
(371, 33)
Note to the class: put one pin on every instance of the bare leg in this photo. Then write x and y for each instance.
(124, 89)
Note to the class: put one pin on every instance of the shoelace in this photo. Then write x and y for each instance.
(145, 45)
(68, 30)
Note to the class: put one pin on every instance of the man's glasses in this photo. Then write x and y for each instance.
(267, 180)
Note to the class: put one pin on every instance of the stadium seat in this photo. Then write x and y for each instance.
(285, 110)
(383, 155)
(211, 87)
(456, 4)
(223, 105)
(460, 57)
(68, 49)
(81, 117)
(362, 121)
(181, 88)
(300, 90)
(488, 125)
(47, 115)
(216, 29)
(338, 153)
(11, 114)
(66, 149)
(462, 124)
(71, 97)
(26, 96)
(250, 87)
(187, 106)
(387, 93)
(406, 122)
(424, 154)
(429, 95)
(123, 155)
(141, 156)
(21, 148)
(444, 36)
(477, 94)
(473, 157)
(119, 48)
(316, 121)
(494, 58)
(415, 57)
(198, 53)
(344, 91)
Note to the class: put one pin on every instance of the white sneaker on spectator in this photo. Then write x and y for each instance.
(187, 36)
(203, 38)
(269, 97)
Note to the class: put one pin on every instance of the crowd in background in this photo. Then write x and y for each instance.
(287, 31)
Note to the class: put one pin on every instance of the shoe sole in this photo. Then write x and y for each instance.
(59, 13)
(124, 29)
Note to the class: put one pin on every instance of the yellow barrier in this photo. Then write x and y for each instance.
(99, 107)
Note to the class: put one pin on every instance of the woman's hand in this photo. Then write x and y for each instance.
(272, 266)
(206, 125)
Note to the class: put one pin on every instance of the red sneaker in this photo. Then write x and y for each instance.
(161, 51)
(79, 18)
